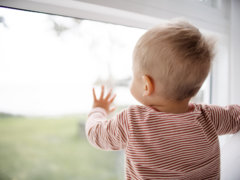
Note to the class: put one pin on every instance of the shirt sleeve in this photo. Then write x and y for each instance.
(225, 119)
(107, 134)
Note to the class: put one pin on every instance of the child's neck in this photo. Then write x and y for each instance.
(173, 107)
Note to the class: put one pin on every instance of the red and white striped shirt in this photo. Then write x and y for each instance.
(161, 145)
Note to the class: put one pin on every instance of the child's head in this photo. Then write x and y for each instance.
(175, 57)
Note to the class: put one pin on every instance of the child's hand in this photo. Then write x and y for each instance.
(102, 102)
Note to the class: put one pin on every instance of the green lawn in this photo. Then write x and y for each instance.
(52, 149)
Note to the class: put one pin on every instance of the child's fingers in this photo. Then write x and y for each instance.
(102, 92)
(112, 98)
(94, 95)
(109, 94)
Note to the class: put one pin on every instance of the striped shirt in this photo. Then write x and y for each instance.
(161, 145)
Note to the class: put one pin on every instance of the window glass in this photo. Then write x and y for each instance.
(48, 66)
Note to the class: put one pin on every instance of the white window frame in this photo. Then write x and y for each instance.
(135, 13)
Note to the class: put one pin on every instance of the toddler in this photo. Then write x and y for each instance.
(166, 137)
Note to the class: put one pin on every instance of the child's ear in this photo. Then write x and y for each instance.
(148, 85)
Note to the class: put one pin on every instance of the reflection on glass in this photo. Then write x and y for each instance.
(48, 66)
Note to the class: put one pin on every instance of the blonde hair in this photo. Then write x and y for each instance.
(177, 56)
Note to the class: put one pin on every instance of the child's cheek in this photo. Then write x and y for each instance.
(135, 91)
(131, 88)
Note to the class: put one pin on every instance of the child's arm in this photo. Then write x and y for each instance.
(225, 119)
(102, 133)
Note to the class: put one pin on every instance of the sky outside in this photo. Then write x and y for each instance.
(43, 73)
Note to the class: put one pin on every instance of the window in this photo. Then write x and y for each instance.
(48, 66)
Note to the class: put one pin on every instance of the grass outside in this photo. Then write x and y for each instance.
(53, 149)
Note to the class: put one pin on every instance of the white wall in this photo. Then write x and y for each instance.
(235, 52)
(231, 149)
